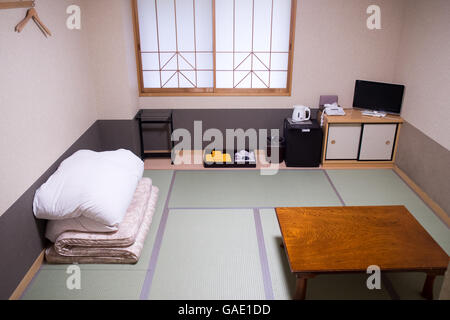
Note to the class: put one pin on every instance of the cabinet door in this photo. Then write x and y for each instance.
(343, 141)
(377, 142)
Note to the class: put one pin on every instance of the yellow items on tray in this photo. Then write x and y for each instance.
(218, 156)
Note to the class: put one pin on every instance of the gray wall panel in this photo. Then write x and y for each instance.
(221, 119)
(119, 134)
(426, 162)
(21, 234)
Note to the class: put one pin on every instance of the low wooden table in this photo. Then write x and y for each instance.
(320, 240)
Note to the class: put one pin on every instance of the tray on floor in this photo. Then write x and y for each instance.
(231, 164)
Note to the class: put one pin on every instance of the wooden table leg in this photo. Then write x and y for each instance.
(427, 291)
(300, 291)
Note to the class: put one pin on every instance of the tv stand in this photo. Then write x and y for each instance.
(355, 140)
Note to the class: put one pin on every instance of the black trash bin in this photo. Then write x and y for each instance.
(275, 145)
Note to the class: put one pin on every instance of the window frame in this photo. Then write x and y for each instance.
(214, 91)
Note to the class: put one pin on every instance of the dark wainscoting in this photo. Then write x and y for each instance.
(21, 234)
(221, 119)
(119, 134)
(426, 162)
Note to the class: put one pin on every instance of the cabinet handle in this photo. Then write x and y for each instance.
(388, 142)
(333, 141)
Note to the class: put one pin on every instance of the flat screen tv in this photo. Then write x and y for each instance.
(378, 96)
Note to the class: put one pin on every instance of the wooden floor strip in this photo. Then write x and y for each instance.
(17, 294)
(425, 197)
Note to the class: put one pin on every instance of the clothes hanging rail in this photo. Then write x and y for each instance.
(16, 4)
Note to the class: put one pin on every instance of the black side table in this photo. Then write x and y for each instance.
(147, 116)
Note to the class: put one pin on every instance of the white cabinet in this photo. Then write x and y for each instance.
(355, 140)
(377, 141)
(343, 141)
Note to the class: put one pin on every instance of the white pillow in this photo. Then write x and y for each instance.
(96, 185)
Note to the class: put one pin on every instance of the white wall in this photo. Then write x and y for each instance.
(112, 57)
(333, 48)
(423, 65)
(50, 88)
(46, 98)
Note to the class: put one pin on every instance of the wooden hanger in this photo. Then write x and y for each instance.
(32, 14)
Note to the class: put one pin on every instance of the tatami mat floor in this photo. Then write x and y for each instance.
(215, 235)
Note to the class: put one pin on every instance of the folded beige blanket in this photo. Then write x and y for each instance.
(122, 246)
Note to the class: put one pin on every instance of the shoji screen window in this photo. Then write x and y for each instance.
(253, 40)
(175, 45)
(214, 47)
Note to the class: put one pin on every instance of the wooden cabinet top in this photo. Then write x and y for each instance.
(356, 116)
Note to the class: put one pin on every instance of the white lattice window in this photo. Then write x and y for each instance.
(214, 46)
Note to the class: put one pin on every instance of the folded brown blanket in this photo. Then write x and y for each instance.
(122, 246)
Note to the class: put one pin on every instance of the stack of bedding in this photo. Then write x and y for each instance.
(99, 208)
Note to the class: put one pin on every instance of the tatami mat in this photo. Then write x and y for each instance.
(408, 285)
(344, 287)
(250, 189)
(208, 244)
(334, 286)
(384, 187)
(50, 284)
(209, 254)
(283, 281)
